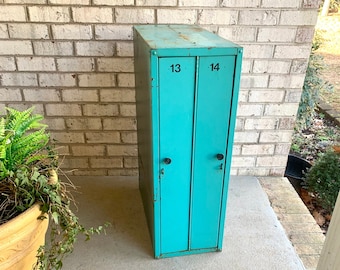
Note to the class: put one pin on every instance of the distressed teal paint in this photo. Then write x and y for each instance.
(187, 82)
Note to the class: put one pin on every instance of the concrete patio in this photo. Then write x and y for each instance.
(254, 238)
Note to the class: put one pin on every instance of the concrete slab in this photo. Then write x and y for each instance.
(254, 238)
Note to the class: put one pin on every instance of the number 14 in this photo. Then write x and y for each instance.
(215, 67)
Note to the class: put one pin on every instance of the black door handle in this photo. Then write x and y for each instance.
(167, 161)
(220, 156)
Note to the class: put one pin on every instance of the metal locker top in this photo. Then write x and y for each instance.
(184, 40)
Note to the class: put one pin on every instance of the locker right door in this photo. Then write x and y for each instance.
(214, 93)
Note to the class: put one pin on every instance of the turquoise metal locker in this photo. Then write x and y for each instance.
(187, 82)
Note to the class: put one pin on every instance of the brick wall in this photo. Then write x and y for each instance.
(73, 60)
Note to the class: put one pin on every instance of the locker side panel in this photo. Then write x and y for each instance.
(146, 140)
(214, 95)
(176, 99)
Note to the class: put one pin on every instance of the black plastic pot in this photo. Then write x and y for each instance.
(295, 170)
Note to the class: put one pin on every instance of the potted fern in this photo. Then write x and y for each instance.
(31, 192)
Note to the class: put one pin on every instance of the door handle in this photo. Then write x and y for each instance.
(220, 156)
(167, 161)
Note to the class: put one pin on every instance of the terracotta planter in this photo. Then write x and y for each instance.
(20, 238)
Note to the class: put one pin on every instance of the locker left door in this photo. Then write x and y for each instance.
(176, 109)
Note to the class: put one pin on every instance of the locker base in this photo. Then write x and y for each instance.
(187, 252)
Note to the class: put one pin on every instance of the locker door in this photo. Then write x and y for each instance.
(176, 107)
(215, 82)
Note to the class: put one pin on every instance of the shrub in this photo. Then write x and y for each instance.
(323, 179)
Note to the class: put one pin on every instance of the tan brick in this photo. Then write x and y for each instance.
(156, 3)
(217, 16)
(258, 149)
(311, 4)
(92, 14)
(72, 31)
(80, 95)
(10, 94)
(122, 150)
(130, 162)
(115, 3)
(246, 136)
(282, 148)
(129, 137)
(100, 109)
(68, 137)
(18, 79)
(287, 122)
(132, 16)
(276, 35)
(271, 161)
(299, 66)
(75, 64)
(286, 81)
(3, 31)
(7, 63)
(36, 64)
(95, 48)
(84, 123)
(25, 1)
(247, 66)
(75, 163)
(123, 172)
(249, 109)
(88, 150)
(289, 109)
(117, 95)
(186, 16)
(254, 81)
(304, 34)
(115, 64)
(126, 80)
(127, 109)
(63, 109)
(69, 2)
(243, 162)
(49, 14)
(113, 32)
(258, 51)
(120, 124)
(52, 48)
(124, 48)
(291, 51)
(274, 66)
(55, 123)
(275, 136)
(244, 34)
(41, 95)
(237, 3)
(266, 95)
(46, 79)
(198, 3)
(97, 80)
(253, 171)
(16, 47)
(258, 17)
(28, 31)
(299, 17)
(260, 123)
(12, 13)
(101, 137)
(106, 162)
(280, 4)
